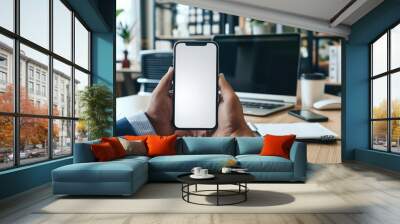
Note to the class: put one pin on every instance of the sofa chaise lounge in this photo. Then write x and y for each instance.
(125, 176)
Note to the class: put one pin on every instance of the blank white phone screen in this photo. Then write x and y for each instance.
(195, 83)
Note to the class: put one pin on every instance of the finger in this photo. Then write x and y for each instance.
(226, 89)
(224, 86)
(166, 81)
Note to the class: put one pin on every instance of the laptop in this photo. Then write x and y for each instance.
(262, 69)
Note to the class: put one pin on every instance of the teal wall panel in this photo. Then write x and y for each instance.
(24, 178)
(356, 84)
(99, 16)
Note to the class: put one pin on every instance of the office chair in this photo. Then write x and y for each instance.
(155, 64)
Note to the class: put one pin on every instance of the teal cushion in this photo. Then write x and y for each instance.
(185, 163)
(83, 152)
(249, 145)
(206, 145)
(257, 163)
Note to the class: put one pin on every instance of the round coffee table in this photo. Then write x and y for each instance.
(238, 179)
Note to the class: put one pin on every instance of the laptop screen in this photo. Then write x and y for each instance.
(265, 64)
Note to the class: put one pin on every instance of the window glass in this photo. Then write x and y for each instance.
(6, 74)
(34, 21)
(7, 14)
(6, 142)
(395, 136)
(379, 135)
(33, 140)
(39, 62)
(395, 47)
(62, 89)
(81, 82)
(379, 98)
(81, 131)
(395, 94)
(81, 45)
(62, 29)
(62, 137)
(379, 55)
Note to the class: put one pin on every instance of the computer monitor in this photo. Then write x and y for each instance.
(261, 66)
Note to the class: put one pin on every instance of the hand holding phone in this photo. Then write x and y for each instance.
(195, 103)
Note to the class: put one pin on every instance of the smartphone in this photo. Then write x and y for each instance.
(308, 115)
(195, 84)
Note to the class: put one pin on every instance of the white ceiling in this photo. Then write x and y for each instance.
(324, 9)
(315, 15)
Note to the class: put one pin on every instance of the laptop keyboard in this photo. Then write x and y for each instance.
(261, 105)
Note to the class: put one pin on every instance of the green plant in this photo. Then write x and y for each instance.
(96, 102)
(256, 22)
(124, 31)
(118, 12)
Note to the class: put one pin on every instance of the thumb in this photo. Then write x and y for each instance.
(224, 85)
(166, 81)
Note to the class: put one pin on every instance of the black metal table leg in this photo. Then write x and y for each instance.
(245, 194)
(217, 194)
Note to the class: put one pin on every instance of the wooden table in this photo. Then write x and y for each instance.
(316, 153)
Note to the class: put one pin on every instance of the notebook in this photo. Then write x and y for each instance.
(302, 130)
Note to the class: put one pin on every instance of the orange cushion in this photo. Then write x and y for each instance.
(103, 152)
(277, 145)
(161, 145)
(135, 137)
(116, 145)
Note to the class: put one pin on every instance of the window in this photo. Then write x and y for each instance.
(3, 61)
(30, 87)
(7, 14)
(62, 74)
(384, 91)
(46, 75)
(44, 91)
(37, 75)
(30, 72)
(81, 45)
(38, 89)
(3, 78)
(62, 30)
(34, 22)
(7, 88)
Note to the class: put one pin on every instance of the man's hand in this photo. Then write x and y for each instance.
(230, 113)
(160, 109)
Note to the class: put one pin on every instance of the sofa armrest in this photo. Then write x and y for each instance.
(83, 152)
(298, 155)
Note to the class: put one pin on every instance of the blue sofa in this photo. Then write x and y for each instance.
(125, 176)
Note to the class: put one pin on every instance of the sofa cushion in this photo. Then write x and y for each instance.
(185, 163)
(83, 152)
(161, 145)
(248, 145)
(103, 152)
(257, 163)
(112, 171)
(206, 145)
(116, 145)
(277, 145)
(135, 147)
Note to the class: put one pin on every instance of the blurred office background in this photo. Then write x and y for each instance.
(148, 29)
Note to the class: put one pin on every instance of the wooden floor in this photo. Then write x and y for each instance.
(379, 190)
